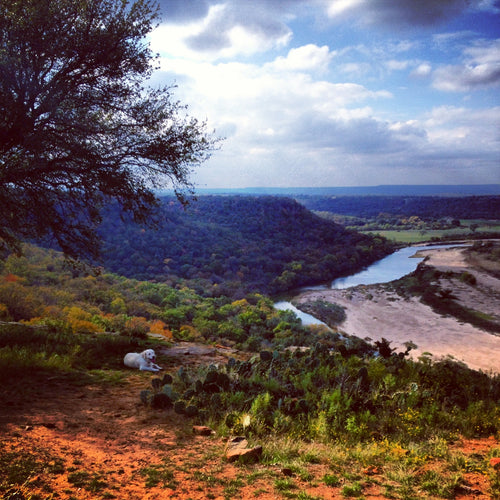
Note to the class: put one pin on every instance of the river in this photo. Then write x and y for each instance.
(390, 268)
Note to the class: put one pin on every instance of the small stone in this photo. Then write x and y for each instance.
(202, 430)
(238, 447)
(286, 471)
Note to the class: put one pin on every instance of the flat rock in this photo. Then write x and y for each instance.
(238, 447)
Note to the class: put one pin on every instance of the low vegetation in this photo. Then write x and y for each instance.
(338, 390)
(362, 414)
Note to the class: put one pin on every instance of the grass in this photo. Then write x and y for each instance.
(232, 488)
(26, 350)
(284, 485)
(326, 415)
(419, 236)
(159, 475)
(92, 482)
(21, 470)
(352, 490)
(332, 480)
(434, 468)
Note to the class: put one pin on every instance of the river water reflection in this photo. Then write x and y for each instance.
(390, 268)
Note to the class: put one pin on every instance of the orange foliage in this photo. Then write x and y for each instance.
(4, 313)
(79, 325)
(11, 278)
(52, 312)
(137, 325)
(159, 327)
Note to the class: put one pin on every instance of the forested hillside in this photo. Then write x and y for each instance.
(425, 207)
(234, 244)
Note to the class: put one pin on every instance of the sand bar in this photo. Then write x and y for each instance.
(374, 312)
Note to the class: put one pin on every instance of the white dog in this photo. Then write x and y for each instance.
(143, 361)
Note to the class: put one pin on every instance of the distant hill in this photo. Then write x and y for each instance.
(382, 190)
(237, 244)
(425, 207)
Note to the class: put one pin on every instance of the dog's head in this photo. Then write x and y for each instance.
(149, 355)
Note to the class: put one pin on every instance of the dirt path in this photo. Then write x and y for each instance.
(374, 312)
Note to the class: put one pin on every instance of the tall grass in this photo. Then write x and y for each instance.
(26, 351)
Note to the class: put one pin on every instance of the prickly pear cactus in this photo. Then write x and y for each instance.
(160, 401)
(180, 407)
(211, 377)
(156, 383)
(146, 397)
(191, 411)
(167, 389)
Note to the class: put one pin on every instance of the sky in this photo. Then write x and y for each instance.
(326, 93)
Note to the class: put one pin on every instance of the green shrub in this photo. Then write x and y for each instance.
(324, 395)
(352, 490)
(331, 480)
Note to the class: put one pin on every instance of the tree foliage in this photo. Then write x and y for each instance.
(235, 244)
(390, 207)
(79, 125)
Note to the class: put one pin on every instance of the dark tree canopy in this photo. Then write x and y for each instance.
(78, 124)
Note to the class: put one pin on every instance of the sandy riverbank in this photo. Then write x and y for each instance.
(375, 312)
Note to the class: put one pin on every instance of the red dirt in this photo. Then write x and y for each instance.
(105, 431)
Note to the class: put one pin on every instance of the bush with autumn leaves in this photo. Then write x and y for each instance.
(41, 288)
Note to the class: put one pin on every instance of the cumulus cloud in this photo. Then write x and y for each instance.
(318, 112)
(305, 58)
(241, 28)
(357, 135)
(224, 28)
(182, 10)
(396, 65)
(422, 70)
(480, 69)
(398, 13)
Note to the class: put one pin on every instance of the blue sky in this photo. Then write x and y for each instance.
(338, 92)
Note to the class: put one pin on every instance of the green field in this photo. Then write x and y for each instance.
(419, 235)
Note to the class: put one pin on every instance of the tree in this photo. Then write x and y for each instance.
(79, 126)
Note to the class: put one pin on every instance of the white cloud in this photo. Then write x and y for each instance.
(480, 69)
(355, 69)
(422, 70)
(320, 113)
(340, 7)
(224, 32)
(306, 58)
(395, 65)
